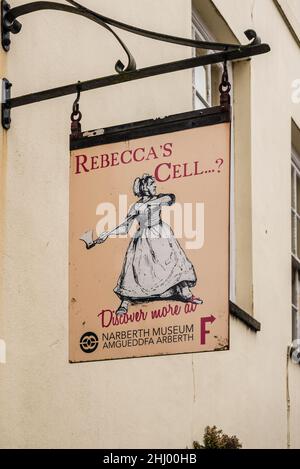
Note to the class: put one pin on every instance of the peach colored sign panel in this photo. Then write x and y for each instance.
(149, 245)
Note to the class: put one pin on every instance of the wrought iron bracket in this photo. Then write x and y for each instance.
(5, 33)
(5, 110)
(11, 25)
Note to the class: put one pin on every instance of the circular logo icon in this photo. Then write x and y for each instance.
(89, 342)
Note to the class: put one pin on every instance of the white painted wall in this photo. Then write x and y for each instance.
(150, 402)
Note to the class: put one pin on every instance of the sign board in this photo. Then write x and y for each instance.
(149, 238)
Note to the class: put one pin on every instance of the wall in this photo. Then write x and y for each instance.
(149, 402)
(272, 78)
(3, 168)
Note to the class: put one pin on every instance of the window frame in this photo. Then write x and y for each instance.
(200, 31)
(295, 240)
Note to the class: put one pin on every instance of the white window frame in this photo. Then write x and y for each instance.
(200, 32)
(295, 249)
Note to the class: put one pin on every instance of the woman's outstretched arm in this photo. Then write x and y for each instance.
(121, 229)
(124, 227)
(166, 199)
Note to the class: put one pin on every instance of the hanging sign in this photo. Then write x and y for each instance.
(149, 238)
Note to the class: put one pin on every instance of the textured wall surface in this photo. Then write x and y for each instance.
(149, 402)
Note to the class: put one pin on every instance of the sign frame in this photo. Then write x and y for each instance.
(187, 120)
(146, 128)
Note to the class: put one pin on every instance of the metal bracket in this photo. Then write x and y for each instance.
(5, 39)
(5, 107)
(225, 52)
(154, 70)
(5, 35)
(10, 24)
(7, 27)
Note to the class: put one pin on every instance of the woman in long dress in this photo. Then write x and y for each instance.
(155, 266)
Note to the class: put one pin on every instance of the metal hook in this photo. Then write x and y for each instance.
(76, 102)
(76, 115)
(225, 87)
(225, 72)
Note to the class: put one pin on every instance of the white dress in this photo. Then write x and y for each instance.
(155, 265)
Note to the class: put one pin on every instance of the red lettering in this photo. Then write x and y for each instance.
(176, 310)
(176, 171)
(157, 174)
(197, 173)
(104, 161)
(156, 313)
(203, 331)
(81, 163)
(168, 149)
(185, 171)
(94, 160)
(165, 311)
(135, 154)
(114, 159)
(123, 156)
(190, 308)
(152, 153)
(141, 315)
(106, 317)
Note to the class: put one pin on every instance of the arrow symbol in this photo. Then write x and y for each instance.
(203, 321)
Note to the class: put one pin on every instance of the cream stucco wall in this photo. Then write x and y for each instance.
(149, 402)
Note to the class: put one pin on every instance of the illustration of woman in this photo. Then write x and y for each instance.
(155, 266)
